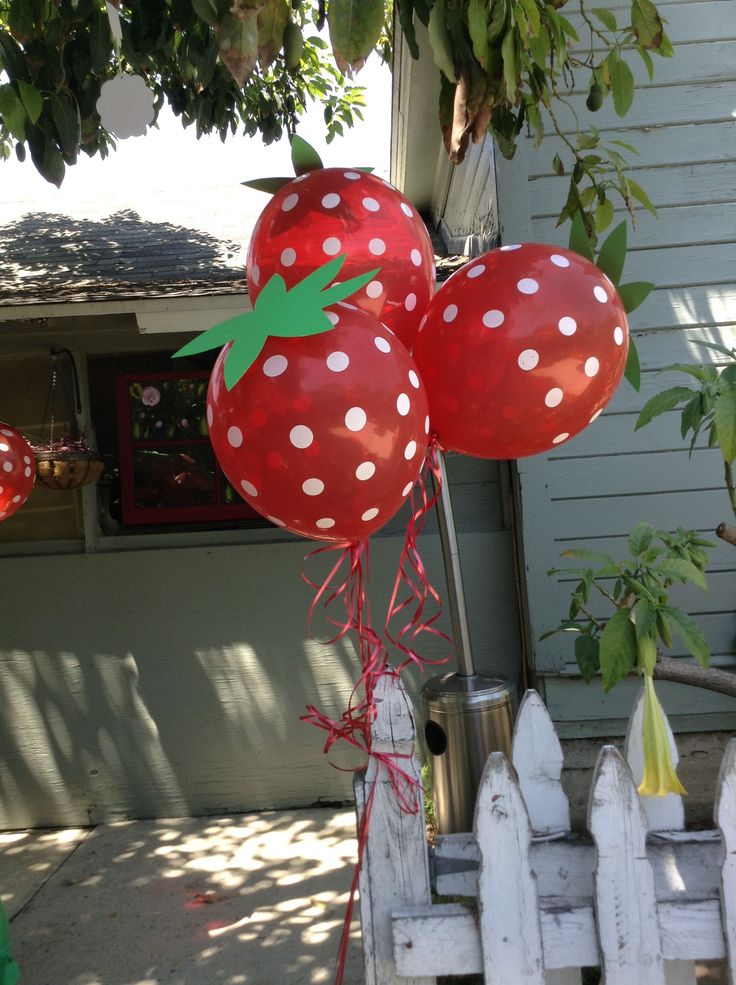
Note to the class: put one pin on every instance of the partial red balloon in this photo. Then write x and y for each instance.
(332, 211)
(324, 435)
(17, 470)
(520, 350)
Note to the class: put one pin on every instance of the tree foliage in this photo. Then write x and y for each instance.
(221, 67)
(505, 66)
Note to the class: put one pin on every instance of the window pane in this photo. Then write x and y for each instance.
(174, 476)
(164, 409)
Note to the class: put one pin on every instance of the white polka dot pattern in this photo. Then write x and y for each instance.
(356, 419)
(338, 362)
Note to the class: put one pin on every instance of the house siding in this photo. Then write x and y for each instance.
(592, 490)
(150, 675)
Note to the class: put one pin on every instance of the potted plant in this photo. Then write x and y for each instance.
(67, 463)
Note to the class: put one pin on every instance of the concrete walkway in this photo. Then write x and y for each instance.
(254, 899)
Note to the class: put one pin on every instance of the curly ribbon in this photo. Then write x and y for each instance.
(349, 588)
(412, 573)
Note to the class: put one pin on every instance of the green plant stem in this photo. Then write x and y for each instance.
(683, 672)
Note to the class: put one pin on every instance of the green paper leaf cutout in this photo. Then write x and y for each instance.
(268, 185)
(613, 253)
(304, 157)
(278, 313)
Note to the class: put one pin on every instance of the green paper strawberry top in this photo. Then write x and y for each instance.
(278, 312)
(304, 158)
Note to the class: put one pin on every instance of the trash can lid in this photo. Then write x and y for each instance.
(451, 688)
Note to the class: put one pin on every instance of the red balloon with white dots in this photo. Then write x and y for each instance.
(17, 470)
(520, 350)
(333, 211)
(326, 434)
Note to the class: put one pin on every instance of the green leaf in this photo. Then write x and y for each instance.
(622, 86)
(588, 554)
(606, 17)
(510, 64)
(268, 185)
(533, 17)
(478, 29)
(662, 402)
(641, 196)
(640, 538)
(648, 63)
(65, 114)
(12, 112)
(632, 370)
(355, 27)
(645, 617)
(604, 215)
(439, 40)
(579, 241)
(725, 422)
(717, 348)
(405, 10)
(237, 41)
(499, 10)
(690, 634)
(705, 374)
(207, 11)
(613, 253)
(647, 24)
(32, 100)
(304, 157)
(587, 655)
(634, 294)
(617, 649)
(678, 569)
(273, 17)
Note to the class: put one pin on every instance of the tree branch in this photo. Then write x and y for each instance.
(727, 532)
(683, 672)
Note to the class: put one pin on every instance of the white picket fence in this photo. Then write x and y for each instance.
(642, 899)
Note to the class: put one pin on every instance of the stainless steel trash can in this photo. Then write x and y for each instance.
(466, 718)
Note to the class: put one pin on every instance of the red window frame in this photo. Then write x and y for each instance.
(127, 445)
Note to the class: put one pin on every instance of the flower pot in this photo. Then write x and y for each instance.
(60, 469)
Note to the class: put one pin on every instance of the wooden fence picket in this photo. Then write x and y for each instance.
(508, 905)
(644, 904)
(395, 869)
(625, 901)
(724, 814)
(538, 760)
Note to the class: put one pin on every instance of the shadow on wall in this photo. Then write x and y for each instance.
(161, 688)
(48, 256)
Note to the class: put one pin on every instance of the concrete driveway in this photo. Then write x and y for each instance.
(254, 899)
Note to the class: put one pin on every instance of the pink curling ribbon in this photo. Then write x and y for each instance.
(412, 575)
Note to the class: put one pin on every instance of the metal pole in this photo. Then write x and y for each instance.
(454, 576)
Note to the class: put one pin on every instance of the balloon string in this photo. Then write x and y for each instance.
(412, 574)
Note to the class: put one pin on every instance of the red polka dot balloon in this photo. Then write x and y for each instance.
(520, 350)
(332, 211)
(324, 435)
(17, 470)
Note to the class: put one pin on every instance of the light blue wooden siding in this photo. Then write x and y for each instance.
(590, 492)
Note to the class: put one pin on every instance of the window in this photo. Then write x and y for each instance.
(168, 470)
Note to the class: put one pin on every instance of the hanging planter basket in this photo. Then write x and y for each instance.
(67, 469)
(67, 462)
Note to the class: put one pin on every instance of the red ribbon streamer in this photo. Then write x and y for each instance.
(412, 573)
(349, 589)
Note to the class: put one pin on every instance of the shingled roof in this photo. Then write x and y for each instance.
(61, 258)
